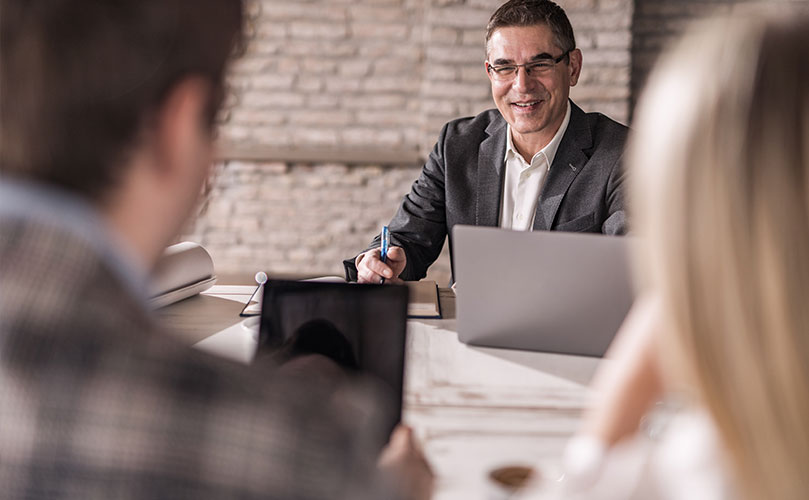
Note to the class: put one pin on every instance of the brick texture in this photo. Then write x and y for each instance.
(296, 218)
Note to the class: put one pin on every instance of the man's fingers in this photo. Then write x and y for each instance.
(396, 254)
(402, 437)
(373, 264)
(367, 276)
(406, 465)
(380, 268)
(400, 445)
(365, 273)
(371, 269)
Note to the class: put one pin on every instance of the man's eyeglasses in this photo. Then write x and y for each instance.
(508, 72)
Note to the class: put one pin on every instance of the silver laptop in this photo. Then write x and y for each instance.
(542, 291)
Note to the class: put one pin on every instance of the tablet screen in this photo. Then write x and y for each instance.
(361, 328)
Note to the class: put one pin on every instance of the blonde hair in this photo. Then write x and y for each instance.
(719, 175)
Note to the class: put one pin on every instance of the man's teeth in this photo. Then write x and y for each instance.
(525, 104)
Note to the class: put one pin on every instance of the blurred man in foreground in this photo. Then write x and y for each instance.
(107, 113)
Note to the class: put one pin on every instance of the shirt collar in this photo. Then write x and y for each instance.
(549, 150)
(58, 208)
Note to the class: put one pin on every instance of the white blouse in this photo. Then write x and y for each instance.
(684, 463)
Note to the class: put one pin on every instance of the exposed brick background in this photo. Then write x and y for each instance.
(297, 219)
(329, 73)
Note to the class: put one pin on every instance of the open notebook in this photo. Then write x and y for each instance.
(423, 299)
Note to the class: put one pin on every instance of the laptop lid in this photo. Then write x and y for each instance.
(544, 291)
(361, 328)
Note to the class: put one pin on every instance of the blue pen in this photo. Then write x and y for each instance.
(383, 251)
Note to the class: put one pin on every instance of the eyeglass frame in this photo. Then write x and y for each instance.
(527, 67)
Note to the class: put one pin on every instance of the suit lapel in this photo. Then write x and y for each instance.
(569, 161)
(491, 159)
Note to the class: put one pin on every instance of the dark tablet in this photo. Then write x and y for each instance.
(359, 327)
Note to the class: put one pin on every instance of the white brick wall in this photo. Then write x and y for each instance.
(311, 64)
(357, 75)
(296, 218)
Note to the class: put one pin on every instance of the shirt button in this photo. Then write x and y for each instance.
(519, 216)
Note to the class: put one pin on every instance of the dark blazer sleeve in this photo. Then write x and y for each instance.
(610, 138)
(615, 224)
(420, 224)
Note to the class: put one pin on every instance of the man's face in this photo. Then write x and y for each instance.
(533, 105)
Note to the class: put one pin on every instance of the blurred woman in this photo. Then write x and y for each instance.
(719, 169)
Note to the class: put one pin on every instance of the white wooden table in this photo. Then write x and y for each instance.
(474, 409)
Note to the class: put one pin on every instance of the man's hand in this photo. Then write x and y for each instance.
(371, 269)
(405, 465)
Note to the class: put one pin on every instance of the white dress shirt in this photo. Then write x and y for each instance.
(523, 181)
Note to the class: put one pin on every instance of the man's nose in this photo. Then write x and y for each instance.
(522, 80)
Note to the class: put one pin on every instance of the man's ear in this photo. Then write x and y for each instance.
(486, 69)
(574, 67)
(181, 124)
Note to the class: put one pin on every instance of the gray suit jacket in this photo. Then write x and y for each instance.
(96, 402)
(462, 183)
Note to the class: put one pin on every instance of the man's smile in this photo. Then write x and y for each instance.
(525, 106)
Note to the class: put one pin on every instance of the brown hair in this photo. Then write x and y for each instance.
(531, 13)
(80, 79)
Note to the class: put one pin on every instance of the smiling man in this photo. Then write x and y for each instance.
(537, 162)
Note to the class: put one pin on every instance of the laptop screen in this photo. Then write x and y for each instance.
(361, 328)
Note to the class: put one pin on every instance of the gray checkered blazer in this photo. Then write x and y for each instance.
(97, 403)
